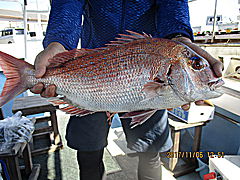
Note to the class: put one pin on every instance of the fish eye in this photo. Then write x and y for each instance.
(197, 63)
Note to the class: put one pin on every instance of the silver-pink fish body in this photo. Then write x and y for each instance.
(145, 73)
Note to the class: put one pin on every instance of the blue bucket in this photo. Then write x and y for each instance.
(203, 168)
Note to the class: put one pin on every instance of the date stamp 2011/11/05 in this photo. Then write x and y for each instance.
(189, 154)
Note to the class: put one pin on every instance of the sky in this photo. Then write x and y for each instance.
(200, 9)
(32, 5)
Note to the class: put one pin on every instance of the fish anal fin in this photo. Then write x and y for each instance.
(72, 110)
(83, 112)
(138, 117)
(56, 101)
(68, 107)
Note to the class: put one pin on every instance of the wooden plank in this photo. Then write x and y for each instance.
(57, 137)
(175, 148)
(172, 163)
(44, 150)
(17, 147)
(35, 136)
(32, 105)
(27, 158)
(176, 124)
(35, 172)
(42, 119)
(13, 168)
(29, 102)
(52, 148)
(43, 129)
(36, 110)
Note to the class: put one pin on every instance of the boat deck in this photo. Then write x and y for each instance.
(120, 162)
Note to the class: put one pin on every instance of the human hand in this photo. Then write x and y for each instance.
(216, 65)
(41, 63)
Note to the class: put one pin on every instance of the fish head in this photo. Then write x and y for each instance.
(192, 77)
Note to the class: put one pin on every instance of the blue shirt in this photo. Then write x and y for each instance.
(103, 20)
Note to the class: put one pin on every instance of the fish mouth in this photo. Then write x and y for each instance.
(213, 85)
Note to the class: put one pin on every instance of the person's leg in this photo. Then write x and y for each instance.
(91, 165)
(148, 140)
(88, 135)
(149, 166)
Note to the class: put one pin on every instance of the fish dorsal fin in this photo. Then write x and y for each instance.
(126, 38)
(66, 56)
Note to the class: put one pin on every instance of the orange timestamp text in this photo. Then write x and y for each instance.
(189, 154)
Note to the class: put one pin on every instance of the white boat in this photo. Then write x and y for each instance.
(12, 35)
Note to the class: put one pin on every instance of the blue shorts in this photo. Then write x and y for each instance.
(89, 133)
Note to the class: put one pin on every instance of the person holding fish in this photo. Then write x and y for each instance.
(154, 50)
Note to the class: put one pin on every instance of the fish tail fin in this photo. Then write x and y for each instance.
(12, 69)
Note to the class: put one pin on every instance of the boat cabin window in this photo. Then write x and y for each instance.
(19, 31)
(7, 32)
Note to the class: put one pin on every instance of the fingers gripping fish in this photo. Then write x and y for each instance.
(136, 74)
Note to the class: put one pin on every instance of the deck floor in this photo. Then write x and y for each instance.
(119, 161)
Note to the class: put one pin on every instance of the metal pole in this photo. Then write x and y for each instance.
(39, 26)
(214, 22)
(25, 27)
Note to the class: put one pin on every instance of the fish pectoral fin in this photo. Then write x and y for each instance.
(138, 117)
(110, 115)
(153, 89)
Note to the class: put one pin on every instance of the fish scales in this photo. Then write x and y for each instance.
(137, 74)
(120, 74)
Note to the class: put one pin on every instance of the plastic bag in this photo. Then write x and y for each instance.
(15, 129)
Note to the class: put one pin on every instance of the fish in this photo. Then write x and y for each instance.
(135, 74)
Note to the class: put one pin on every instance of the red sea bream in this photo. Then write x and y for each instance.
(134, 73)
